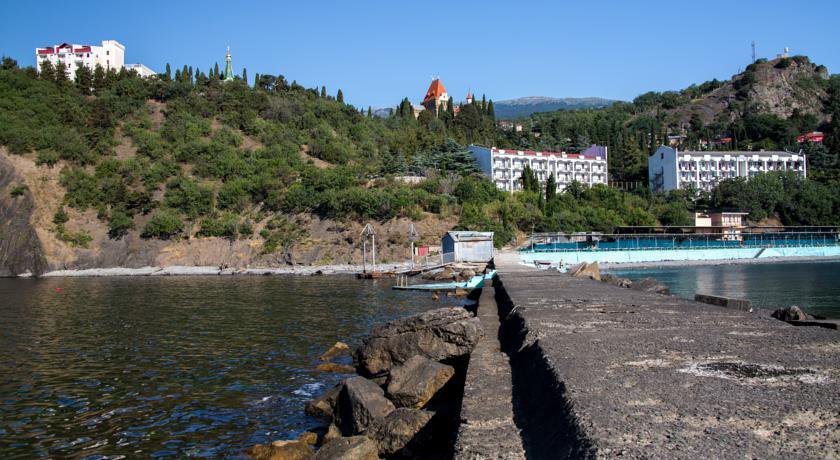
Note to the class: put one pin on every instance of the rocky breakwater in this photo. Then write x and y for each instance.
(405, 400)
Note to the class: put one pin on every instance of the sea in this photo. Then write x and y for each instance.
(169, 367)
(814, 286)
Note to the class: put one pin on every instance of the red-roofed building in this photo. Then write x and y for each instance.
(813, 136)
(111, 55)
(436, 96)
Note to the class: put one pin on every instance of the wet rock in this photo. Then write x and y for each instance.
(351, 448)
(360, 403)
(616, 280)
(308, 437)
(281, 450)
(436, 334)
(793, 313)
(585, 270)
(323, 406)
(336, 368)
(336, 350)
(650, 285)
(414, 383)
(404, 432)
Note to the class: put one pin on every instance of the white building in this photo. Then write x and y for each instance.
(670, 169)
(141, 70)
(504, 167)
(111, 55)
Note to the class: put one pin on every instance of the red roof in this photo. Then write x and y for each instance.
(814, 136)
(435, 91)
(545, 154)
(83, 49)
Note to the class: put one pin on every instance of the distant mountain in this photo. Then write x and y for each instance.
(524, 106)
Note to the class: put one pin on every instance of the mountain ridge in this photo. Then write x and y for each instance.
(525, 106)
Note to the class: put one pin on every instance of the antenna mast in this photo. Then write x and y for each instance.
(753, 51)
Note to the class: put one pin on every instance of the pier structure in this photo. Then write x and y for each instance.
(573, 367)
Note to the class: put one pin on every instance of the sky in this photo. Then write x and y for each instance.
(378, 52)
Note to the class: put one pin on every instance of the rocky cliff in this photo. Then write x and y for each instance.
(20, 248)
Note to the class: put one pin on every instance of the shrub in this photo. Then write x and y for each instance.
(18, 190)
(47, 157)
(783, 63)
(164, 224)
(225, 226)
(60, 217)
(188, 196)
(119, 223)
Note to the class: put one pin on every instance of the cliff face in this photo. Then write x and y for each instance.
(28, 241)
(20, 248)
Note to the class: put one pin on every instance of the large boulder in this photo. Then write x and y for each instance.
(352, 448)
(281, 450)
(414, 383)
(587, 270)
(616, 280)
(403, 431)
(650, 285)
(360, 403)
(436, 334)
(793, 313)
(323, 406)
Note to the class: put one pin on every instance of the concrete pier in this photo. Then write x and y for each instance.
(602, 371)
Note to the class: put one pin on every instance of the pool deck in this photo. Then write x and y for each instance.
(603, 371)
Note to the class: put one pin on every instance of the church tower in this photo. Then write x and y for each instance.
(228, 75)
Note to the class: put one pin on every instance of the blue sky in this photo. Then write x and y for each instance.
(378, 52)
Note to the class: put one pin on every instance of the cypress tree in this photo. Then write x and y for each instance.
(550, 187)
(98, 78)
(167, 76)
(84, 79)
(370, 113)
(324, 92)
(256, 81)
(177, 75)
(245, 75)
(339, 96)
(491, 112)
(483, 103)
(60, 72)
(216, 70)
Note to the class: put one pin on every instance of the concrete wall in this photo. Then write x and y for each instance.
(663, 161)
(573, 257)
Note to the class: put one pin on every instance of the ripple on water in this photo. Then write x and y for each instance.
(175, 366)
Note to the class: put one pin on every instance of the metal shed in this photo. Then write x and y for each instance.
(467, 246)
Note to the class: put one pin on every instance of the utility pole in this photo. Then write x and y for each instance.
(753, 51)
(412, 236)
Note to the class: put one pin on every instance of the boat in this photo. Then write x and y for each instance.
(473, 283)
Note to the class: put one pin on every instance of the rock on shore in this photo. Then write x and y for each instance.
(438, 335)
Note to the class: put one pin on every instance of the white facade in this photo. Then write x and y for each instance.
(504, 167)
(670, 169)
(110, 55)
(141, 70)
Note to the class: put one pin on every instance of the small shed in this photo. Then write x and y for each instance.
(467, 246)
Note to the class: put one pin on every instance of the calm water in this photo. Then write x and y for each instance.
(173, 366)
(814, 286)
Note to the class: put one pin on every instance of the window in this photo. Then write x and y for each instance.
(108, 52)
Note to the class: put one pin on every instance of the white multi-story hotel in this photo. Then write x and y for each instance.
(110, 55)
(670, 169)
(504, 167)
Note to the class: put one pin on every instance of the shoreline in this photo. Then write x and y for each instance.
(185, 270)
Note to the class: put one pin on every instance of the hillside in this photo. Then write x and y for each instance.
(780, 87)
(525, 106)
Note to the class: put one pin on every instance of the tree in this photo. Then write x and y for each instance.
(99, 79)
(323, 92)
(61, 73)
(550, 186)
(84, 79)
(167, 75)
(491, 111)
(216, 71)
(47, 71)
(369, 112)
(245, 75)
(339, 96)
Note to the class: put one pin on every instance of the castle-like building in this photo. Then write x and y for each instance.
(437, 99)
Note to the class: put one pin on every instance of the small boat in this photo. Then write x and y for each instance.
(473, 283)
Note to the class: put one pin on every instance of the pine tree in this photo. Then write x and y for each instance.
(98, 79)
(216, 70)
(47, 71)
(339, 96)
(324, 92)
(84, 79)
(491, 112)
(61, 73)
(167, 76)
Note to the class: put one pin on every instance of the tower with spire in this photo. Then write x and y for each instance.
(228, 75)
